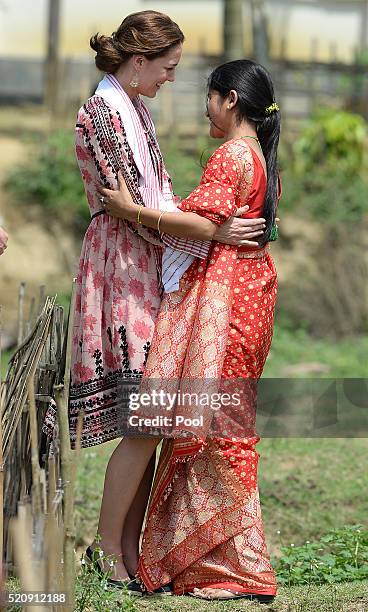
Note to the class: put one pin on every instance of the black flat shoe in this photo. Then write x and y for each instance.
(163, 591)
(93, 561)
(130, 584)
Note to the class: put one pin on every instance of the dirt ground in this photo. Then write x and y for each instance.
(37, 254)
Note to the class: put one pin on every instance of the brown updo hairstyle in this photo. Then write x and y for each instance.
(147, 33)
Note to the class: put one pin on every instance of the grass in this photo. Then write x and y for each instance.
(346, 358)
(345, 597)
(307, 487)
(342, 597)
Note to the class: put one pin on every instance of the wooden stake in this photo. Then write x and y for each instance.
(22, 290)
(36, 470)
(52, 61)
(2, 398)
(21, 532)
(67, 468)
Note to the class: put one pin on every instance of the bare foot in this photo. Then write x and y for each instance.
(208, 593)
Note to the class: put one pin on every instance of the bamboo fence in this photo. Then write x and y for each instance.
(38, 473)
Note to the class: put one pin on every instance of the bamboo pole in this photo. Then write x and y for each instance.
(31, 315)
(22, 290)
(36, 470)
(53, 552)
(19, 383)
(67, 469)
(52, 534)
(2, 398)
(21, 532)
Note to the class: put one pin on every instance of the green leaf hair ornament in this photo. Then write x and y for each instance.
(272, 109)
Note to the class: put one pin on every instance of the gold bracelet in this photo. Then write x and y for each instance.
(159, 219)
(139, 215)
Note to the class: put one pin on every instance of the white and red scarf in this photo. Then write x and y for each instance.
(179, 253)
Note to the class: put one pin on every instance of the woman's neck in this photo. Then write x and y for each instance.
(239, 131)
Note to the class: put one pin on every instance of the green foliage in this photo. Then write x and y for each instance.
(341, 555)
(5, 358)
(186, 167)
(327, 185)
(327, 178)
(327, 197)
(292, 344)
(334, 140)
(52, 180)
(92, 591)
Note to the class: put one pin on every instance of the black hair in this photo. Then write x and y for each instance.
(255, 90)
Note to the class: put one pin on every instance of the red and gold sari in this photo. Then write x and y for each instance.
(204, 526)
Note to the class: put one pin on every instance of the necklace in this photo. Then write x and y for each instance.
(254, 138)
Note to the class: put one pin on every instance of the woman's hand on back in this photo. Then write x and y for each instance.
(236, 231)
(240, 232)
(117, 203)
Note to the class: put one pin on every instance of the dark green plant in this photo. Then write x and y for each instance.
(92, 592)
(327, 186)
(51, 179)
(327, 197)
(334, 140)
(341, 555)
(328, 178)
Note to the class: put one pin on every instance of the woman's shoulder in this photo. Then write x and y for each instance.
(95, 104)
(235, 150)
(96, 109)
(236, 147)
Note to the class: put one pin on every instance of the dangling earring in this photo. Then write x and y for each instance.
(135, 81)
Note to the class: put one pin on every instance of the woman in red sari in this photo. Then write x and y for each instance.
(204, 532)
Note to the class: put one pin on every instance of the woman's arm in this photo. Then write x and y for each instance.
(234, 231)
(120, 204)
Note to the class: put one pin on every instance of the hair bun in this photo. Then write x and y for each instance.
(148, 33)
(108, 57)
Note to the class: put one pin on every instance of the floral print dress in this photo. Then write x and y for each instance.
(117, 286)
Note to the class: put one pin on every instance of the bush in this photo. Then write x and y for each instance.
(186, 167)
(52, 180)
(334, 140)
(341, 555)
(327, 186)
